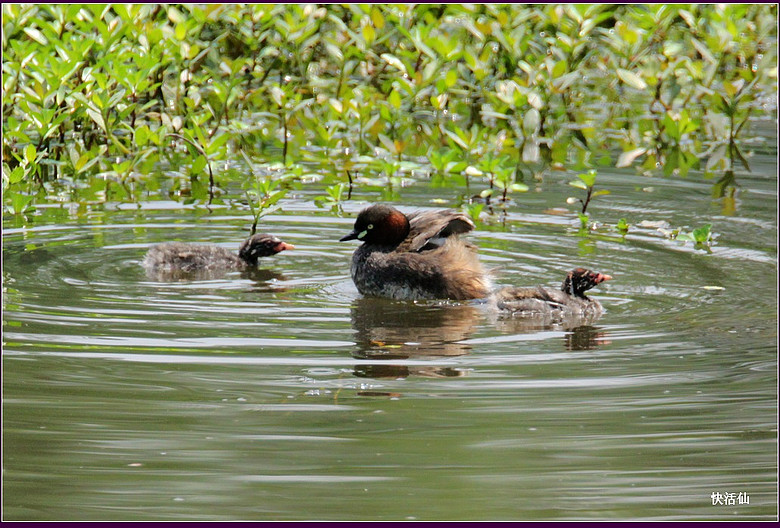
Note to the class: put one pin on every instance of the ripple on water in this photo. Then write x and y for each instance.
(239, 387)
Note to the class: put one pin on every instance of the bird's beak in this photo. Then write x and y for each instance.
(352, 236)
(601, 278)
(281, 246)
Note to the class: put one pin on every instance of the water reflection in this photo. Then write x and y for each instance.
(176, 275)
(393, 330)
(581, 335)
(388, 329)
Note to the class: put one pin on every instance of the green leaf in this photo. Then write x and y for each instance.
(36, 35)
(392, 60)
(97, 117)
(199, 164)
(703, 51)
(142, 134)
(589, 178)
(369, 33)
(81, 162)
(451, 78)
(702, 234)
(16, 175)
(277, 94)
(631, 79)
(19, 202)
(395, 99)
(377, 18)
(578, 184)
(559, 69)
(29, 154)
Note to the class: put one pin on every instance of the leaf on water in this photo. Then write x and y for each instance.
(702, 234)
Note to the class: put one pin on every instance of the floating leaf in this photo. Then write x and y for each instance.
(702, 234)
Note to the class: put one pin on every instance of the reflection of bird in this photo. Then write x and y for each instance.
(523, 310)
(178, 259)
(418, 256)
(569, 301)
(391, 330)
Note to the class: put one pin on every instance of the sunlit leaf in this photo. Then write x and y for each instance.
(36, 35)
(369, 33)
(198, 165)
(627, 158)
(394, 61)
(377, 18)
(30, 154)
(451, 78)
(394, 99)
(631, 79)
(589, 178)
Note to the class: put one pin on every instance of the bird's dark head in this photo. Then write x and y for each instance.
(580, 280)
(380, 224)
(261, 245)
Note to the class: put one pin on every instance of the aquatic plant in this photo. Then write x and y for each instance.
(97, 97)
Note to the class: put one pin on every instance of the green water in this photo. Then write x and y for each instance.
(286, 396)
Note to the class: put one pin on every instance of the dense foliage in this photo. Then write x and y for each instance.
(98, 98)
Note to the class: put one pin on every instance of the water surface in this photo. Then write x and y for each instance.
(285, 395)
